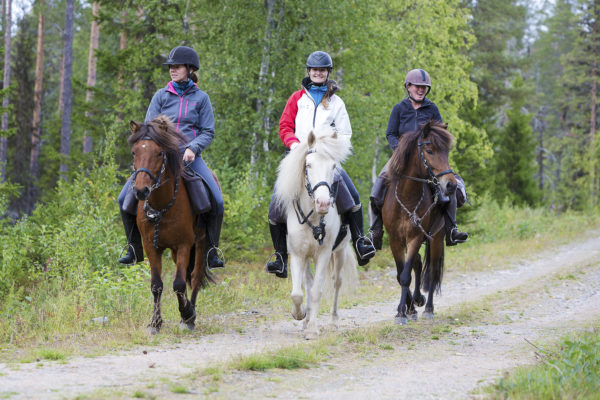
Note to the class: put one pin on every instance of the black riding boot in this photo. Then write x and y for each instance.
(377, 227)
(213, 233)
(362, 245)
(453, 235)
(279, 237)
(135, 250)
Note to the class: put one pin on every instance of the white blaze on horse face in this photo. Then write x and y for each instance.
(318, 170)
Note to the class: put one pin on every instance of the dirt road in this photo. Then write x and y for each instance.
(537, 300)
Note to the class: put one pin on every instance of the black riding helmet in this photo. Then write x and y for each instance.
(183, 55)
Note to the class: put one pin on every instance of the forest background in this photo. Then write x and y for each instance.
(516, 81)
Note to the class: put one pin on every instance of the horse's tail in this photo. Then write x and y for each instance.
(348, 271)
(433, 270)
(205, 276)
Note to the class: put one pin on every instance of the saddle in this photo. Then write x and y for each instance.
(197, 192)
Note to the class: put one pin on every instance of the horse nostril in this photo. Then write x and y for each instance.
(450, 187)
(142, 194)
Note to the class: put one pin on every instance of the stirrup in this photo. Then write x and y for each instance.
(279, 271)
(452, 240)
(125, 250)
(219, 252)
(368, 255)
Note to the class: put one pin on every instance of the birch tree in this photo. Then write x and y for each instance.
(91, 78)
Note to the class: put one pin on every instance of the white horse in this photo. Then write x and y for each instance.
(304, 190)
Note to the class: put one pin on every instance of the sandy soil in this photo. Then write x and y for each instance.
(538, 300)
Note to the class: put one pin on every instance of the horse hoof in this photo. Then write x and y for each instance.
(153, 330)
(186, 326)
(419, 300)
(299, 315)
(428, 315)
(414, 317)
(401, 321)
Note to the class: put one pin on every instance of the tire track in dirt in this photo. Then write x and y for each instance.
(430, 370)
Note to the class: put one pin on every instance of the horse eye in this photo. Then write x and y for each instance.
(162, 153)
(308, 166)
(429, 151)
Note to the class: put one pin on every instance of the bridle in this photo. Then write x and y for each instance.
(318, 230)
(432, 181)
(151, 213)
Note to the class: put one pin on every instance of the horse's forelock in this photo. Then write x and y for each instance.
(434, 131)
(336, 147)
(163, 133)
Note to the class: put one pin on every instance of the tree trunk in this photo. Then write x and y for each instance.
(593, 101)
(122, 45)
(65, 131)
(261, 110)
(37, 110)
(91, 79)
(7, 45)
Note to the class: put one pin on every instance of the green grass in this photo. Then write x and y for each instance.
(571, 371)
(291, 357)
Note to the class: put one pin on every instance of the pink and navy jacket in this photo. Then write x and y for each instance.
(191, 113)
(301, 115)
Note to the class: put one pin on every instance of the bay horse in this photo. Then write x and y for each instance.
(420, 181)
(304, 190)
(164, 216)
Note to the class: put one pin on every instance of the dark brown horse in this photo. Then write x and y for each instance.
(420, 181)
(164, 216)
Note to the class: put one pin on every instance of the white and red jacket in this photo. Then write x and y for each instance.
(301, 115)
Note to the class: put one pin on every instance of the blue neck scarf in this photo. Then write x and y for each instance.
(317, 93)
(182, 87)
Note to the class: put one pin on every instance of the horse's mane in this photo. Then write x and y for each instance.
(291, 180)
(162, 131)
(432, 131)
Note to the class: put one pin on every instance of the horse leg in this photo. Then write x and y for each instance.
(418, 298)
(156, 287)
(404, 277)
(186, 308)
(434, 263)
(316, 291)
(297, 265)
(308, 284)
(336, 265)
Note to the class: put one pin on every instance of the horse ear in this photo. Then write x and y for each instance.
(426, 129)
(134, 127)
(311, 139)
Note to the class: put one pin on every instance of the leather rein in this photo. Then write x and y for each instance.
(431, 181)
(151, 213)
(318, 230)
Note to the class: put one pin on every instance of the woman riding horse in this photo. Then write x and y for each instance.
(316, 108)
(190, 110)
(407, 116)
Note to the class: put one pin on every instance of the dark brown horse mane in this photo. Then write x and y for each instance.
(432, 131)
(162, 131)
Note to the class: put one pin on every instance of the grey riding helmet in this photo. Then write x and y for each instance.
(319, 59)
(418, 77)
(183, 55)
